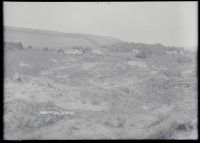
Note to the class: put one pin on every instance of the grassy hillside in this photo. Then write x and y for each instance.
(43, 38)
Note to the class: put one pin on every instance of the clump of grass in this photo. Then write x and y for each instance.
(169, 131)
(115, 122)
(162, 133)
(108, 123)
(158, 121)
(20, 115)
(185, 127)
(73, 127)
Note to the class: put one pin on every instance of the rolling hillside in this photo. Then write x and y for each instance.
(44, 38)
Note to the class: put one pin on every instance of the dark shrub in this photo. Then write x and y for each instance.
(141, 55)
(30, 47)
(61, 51)
(184, 127)
(184, 60)
(46, 48)
(20, 46)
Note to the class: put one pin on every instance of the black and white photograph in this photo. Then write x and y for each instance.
(100, 70)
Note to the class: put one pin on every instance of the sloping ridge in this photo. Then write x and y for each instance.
(53, 39)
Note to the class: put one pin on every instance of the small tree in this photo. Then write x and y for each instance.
(20, 46)
(61, 51)
(30, 47)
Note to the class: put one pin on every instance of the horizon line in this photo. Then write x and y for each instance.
(88, 34)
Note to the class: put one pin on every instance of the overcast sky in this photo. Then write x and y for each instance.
(169, 23)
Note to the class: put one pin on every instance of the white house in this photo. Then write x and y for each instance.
(135, 51)
(172, 52)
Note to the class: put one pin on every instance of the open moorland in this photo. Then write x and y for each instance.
(110, 89)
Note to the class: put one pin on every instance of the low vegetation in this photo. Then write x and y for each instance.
(119, 93)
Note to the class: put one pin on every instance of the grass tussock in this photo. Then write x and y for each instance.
(21, 115)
